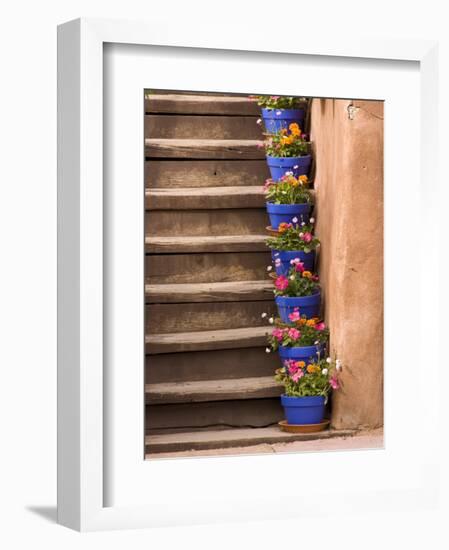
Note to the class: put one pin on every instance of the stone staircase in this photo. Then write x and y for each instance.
(208, 381)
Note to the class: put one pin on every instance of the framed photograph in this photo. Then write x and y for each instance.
(241, 234)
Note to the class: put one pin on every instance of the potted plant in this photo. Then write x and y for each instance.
(299, 291)
(287, 199)
(293, 242)
(307, 385)
(302, 339)
(280, 111)
(288, 151)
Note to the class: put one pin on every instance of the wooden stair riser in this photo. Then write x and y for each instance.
(167, 318)
(208, 292)
(206, 268)
(200, 104)
(249, 412)
(239, 221)
(204, 149)
(180, 244)
(202, 127)
(210, 365)
(204, 173)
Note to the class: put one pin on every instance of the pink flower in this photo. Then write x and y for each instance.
(299, 267)
(320, 326)
(278, 334)
(281, 282)
(334, 383)
(294, 333)
(295, 316)
(298, 374)
(307, 237)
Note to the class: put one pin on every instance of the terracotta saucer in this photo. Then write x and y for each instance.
(303, 428)
(272, 231)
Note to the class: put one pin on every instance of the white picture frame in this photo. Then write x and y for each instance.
(83, 398)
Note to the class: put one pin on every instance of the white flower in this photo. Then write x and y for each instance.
(259, 121)
(312, 220)
(292, 277)
(269, 267)
(301, 234)
(277, 254)
(277, 262)
(324, 371)
(264, 315)
(295, 220)
(296, 260)
(267, 350)
(279, 113)
(271, 320)
(303, 224)
(338, 364)
(329, 360)
(316, 343)
(296, 166)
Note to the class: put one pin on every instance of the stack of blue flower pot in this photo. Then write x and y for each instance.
(310, 409)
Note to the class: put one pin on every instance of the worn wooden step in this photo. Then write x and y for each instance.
(206, 268)
(204, 173)
(228, 221)
(205, 243)
(212, 390)
(202, 127)
(246, 337)
(242, 437)
(210, 365)
(212, 415)
(209, 292)
(199, 104)
(249, 196)
(206, 316)
(204, 148)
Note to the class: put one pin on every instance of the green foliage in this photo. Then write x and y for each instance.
(296, 284)
(288, 190)
(287, 143)
(304, 332)
(316, 378)
(298, 237)
(280, 101)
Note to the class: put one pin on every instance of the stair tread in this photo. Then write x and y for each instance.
(237, 437)
(207, 243)
(212, 390)
(200, 104)
(206, 292)
(206, 340)
(178, 198)
(204, 148)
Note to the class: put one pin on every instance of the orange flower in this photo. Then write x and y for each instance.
(310, 369)
(282, 227)
(300, 364)
(295, 129)
(303, 179)
(307, 274)
(302, 321)
(310, 322)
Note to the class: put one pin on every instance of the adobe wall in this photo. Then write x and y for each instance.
(349, 196)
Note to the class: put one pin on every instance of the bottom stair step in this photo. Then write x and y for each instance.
(219, 439)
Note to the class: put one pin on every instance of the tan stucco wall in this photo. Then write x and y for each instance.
(349, 197)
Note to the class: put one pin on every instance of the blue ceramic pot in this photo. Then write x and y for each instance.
(284, 257)
(285, 213)
(276, 119)
(307, 305)
(278, 166)
(304, 410)
(303, 353)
